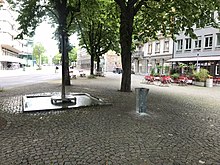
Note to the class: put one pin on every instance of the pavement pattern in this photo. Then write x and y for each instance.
(182, 126)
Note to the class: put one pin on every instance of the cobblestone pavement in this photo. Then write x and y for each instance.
(182, 126)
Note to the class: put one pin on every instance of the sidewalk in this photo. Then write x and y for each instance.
(182, 126)
(7, 73)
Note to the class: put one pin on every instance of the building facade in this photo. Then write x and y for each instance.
(203, 52)
(108, 62)
(152, 57)
(111, 61)
(83, 59)
(10, 48)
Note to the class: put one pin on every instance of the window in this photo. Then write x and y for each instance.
(179, 44)
(208, 41)
(217, 69)
(188, 43)
(198, 42)
(166, 46)
(149, 48)
(157, 47)
(218, 39)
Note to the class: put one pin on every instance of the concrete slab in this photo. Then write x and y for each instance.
(33, 103)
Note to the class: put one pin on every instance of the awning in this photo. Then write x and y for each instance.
(12, 59)
(10, 48)
(211, 58)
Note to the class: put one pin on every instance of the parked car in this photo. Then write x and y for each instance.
(117, 70)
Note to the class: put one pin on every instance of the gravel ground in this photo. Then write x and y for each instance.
(182, 126)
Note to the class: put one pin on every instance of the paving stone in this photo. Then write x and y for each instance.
(182, 127)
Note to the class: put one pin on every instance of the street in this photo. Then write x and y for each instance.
(13, 78)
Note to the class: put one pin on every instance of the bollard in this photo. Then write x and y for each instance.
(141, 99)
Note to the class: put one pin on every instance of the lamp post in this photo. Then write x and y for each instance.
(197, 63)
(39, 54)
(29, 51)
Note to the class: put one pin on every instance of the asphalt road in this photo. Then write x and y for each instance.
(14, 78)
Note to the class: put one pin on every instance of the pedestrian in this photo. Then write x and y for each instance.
(56, 68)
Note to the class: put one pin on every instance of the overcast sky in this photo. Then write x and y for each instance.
(44, 34)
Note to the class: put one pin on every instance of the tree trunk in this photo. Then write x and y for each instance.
(98, 64)
(92, 64)
(64, 54)
(62, 14)
(126, 29)
(67, 77)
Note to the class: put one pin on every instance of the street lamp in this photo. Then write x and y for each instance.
(197, 63)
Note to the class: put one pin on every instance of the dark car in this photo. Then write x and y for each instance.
(117, 70)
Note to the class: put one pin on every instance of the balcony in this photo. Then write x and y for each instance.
(138, 54)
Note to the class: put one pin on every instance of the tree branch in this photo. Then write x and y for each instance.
(138, 6)
(72, 14)
(74, 11)
(98, 35)
(83, 37)
(132, 2)
(105, 50)
(121, 3)
(50, 10)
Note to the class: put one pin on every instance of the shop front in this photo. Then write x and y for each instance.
(211, 63)
(9, 58)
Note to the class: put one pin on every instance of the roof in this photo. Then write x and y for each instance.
(209, 58)
(10, 48)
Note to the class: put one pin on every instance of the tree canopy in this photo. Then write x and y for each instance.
(98, 28)
(171, 17)
(61, 12)
(72, 57)
(32, 12)
(38, 53)
(57, 59)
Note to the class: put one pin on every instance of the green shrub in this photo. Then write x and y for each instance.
(91, 77)
(167, 69)
(202, 75)
(156, 74)
(175, 76)
(152, 71)
(1, 89)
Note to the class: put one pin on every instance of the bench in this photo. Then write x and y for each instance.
(100, 74)
(72, 75)
(81, 73)
(216, 80)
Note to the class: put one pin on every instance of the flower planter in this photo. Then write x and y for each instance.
(209, 83)
(200, 83)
